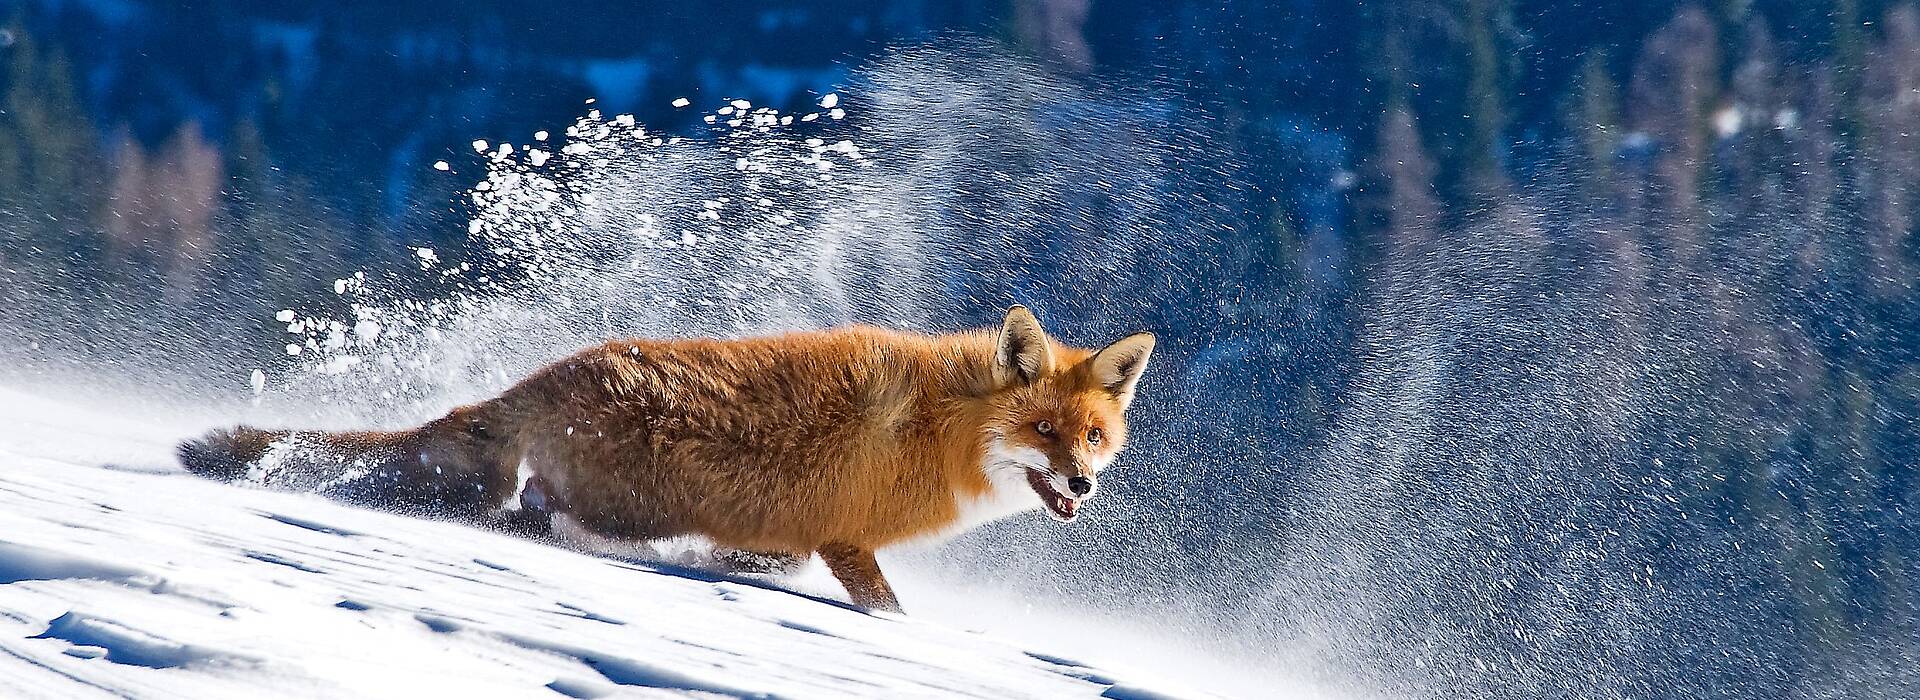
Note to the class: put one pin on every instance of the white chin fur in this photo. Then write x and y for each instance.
(1008, 493)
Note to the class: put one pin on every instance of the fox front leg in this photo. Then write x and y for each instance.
(860, 573)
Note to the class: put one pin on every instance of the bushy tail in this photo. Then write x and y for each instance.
(421, 469)
(227, 454)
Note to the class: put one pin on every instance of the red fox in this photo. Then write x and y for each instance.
(834, 442)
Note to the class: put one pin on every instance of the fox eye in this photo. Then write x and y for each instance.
(1043, 427)
(478, 429)
(1094, 436)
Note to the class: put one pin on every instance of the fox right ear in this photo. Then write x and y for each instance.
(1023, 352)
(1118, 366)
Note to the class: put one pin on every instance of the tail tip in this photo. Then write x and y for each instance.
(218, 455)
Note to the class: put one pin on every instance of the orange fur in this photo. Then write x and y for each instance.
(838, 442)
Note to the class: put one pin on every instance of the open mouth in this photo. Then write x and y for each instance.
(1061, 506)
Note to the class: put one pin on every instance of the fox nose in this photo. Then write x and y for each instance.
(1080, 485)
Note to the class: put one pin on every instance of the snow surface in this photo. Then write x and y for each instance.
(121, 576)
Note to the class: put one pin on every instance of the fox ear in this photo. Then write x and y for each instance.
(1023, 353)
(1118, 366)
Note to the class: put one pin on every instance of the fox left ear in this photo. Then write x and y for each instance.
(1118, 366)
(1023, 352)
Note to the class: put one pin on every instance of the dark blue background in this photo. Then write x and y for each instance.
(1428, 214)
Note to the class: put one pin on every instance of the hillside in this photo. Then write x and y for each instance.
(121, 576)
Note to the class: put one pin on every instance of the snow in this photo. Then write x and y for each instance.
(121, 576)
(1727, 122)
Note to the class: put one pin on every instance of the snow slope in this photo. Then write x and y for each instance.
(121, 576)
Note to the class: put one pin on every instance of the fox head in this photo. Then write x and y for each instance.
(1057, 413)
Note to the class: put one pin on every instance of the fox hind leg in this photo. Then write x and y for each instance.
(532, 514)
(740, 561)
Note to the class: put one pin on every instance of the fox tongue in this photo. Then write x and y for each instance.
(1062, 506)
